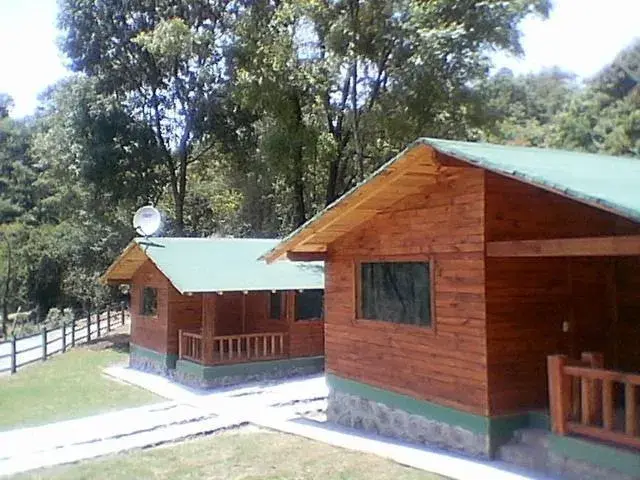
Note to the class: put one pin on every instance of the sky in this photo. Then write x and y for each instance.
(581, 36)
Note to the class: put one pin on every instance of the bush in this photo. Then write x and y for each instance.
(56, 317)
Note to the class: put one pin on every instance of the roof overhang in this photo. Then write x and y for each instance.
(125, 266)
(413, 171)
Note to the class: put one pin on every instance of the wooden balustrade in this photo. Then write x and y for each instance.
(248, 347)
(190, 346)
(583, 400)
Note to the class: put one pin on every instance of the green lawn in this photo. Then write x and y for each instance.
(239, 455)
(66, 386)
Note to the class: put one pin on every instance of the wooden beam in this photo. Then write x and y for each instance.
(567, 247)
(306, 256)
(209, 306)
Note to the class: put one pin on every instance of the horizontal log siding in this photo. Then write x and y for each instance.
(149, 332)
(627, 353)
(446, 365)
(258, 320)
(528, 299)
(229, 314)
(518, 211)
(185, 313)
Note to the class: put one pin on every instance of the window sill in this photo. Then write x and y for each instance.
(427, 330)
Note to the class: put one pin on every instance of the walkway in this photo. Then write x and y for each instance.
(297, 406)
(291, 406)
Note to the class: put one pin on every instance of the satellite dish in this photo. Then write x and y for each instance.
(147, 220)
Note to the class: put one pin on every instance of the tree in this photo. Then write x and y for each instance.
(338, 86)
(522, 110)
(605, 117)
(164, 62)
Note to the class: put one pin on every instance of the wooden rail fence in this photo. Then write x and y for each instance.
(19, 352)
(233, 348)
(588, 400)
(190, 346)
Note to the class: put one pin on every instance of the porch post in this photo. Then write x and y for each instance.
(591, 392)
(559, 393)
(208, 326)
(244, 312)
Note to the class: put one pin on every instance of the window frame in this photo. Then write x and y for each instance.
(281, 309)
(141, 311)
(295, 306)
(357, 291)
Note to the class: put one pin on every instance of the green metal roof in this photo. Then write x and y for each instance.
(612, 183)
(604, 181)
(227, 264)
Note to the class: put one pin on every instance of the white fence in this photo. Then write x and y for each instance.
(18, 352)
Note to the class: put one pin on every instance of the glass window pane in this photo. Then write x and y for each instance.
(396, 292)
(309, 304)
(275, 306)
(149, 301)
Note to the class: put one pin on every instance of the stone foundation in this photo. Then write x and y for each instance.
(357, 412)
(199, 376)
(572, 469)
(150, 361)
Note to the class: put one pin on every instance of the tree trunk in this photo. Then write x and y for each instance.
(7, 289)
(300, 215)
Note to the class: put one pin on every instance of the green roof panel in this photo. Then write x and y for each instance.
(227, 264)
(612, 183)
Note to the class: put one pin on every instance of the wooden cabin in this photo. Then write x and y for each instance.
(207, 312)
(473, 290)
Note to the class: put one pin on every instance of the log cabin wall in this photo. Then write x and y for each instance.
(229, 314)
(306, 337)
(257, 308)
(528, 299)
(627, 327)
(149, 332)
(185, 313)
(446, 364)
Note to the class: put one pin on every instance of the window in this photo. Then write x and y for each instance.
(149, 305)
(309, 304)
(275, 305)
(398, 292)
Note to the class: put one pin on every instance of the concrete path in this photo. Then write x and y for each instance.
(296, 406)
(84, 438)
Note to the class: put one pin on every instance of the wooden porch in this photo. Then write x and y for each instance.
(228, 349)
(588, 400)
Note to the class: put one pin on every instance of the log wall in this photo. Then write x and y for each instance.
(445, 364)
(149, 332)
(530, 299)
(185, 313)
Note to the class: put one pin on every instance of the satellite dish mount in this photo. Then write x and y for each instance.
(147, 220)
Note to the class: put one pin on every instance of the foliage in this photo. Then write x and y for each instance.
(245, 118)
(551, 109)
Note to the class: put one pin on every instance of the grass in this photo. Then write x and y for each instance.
(67, 386)
(239, 455)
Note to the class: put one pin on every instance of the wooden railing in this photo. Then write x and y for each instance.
(190, 346)
(248, 347)
(588, 400)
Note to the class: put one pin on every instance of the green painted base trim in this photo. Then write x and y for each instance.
(612, 458)
(210, 372)
(540, 419)
(166, 360)
(499, 430)
(468, 421)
